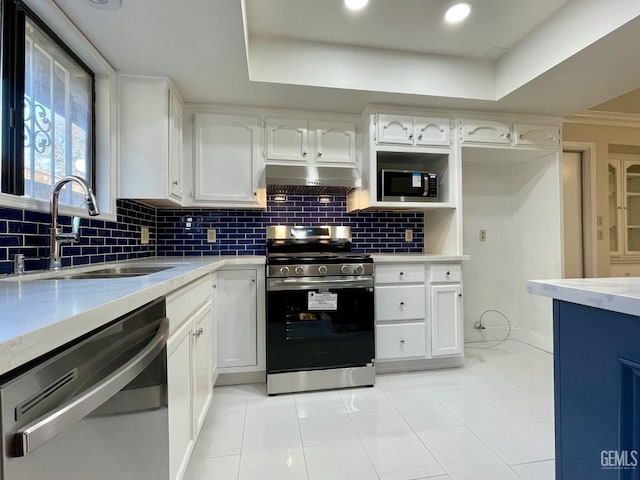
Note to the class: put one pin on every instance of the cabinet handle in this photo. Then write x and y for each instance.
(319, 154)
(402, 304)
(401, 273)
(459, 294)
(410, 136)
(255, 193)
(521, 136)
(402, 343)
(175, 182)
(420, 137)
(448, 273)
(253, 280)
(304, 154)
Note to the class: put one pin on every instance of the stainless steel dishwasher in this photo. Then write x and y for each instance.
(96, 409)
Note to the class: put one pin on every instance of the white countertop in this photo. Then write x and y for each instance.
(416, 257)
(615, 294)
(37, 316)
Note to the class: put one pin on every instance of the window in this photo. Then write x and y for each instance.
(48, 109)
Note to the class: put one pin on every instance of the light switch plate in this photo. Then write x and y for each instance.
(408, 235)
(144, 235)
(211, 235)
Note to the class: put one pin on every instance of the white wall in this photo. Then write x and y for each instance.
(517, 201)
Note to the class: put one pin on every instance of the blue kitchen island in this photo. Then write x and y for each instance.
(596, 329)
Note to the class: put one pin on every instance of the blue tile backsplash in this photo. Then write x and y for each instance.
(183, 232)
(27, 232)
(242, 232)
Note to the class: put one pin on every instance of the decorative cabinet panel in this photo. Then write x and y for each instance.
(228, 165)
(536, 135)
(236, 305)
(624, 206)
(413, 131)
(485, 131)
(287, 139)
(150, 131)
(335, 142)
(446, 320)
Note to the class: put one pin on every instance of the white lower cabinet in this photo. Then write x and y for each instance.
(189, 369)
(418, 315)
(239, 313)
(446, 320)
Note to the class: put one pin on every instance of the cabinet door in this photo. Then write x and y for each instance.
(632, 206)
(179, 385)
(485, 131)
(432, 131)
(175, 146)
(236, 313)
(536, 135)
(202, 373)
(227, 158)
(335, 142)
(615, 208)
(287, 139)
(446, 320)
(395, 130)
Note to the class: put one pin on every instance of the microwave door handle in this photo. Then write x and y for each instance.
(37, 433)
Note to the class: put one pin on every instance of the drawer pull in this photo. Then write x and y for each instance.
(402, 304)
(401, 273)
(448, 273)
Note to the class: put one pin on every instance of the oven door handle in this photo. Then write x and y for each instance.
(45, 428)
(275, 284)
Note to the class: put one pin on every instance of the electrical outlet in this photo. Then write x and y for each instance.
(599, 221)
(408, 235)
(211, 235)
(144, 235)
(600, 234)
(483, 235)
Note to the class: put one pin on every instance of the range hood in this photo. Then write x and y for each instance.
(311, 180)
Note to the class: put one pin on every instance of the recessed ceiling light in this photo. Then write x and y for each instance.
(105, 4)
(456, 13)
(355, 4)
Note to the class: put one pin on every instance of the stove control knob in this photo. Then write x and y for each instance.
(284, 270)
(299, 270)
(345, 269)
(322, 269)
(358, 269)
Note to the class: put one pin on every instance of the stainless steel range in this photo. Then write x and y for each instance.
(320, 320)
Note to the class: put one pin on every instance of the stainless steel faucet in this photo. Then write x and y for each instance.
(57, 236)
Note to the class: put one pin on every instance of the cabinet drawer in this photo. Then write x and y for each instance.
(185, 301)
(407, 273)
(399, 341)
(400, 303)
(446, 273)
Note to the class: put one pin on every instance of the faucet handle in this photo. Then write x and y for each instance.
(75, 228)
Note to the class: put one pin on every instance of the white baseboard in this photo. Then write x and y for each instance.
(538, 341)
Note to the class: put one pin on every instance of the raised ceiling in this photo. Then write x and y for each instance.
(549, 56)
(405, 25)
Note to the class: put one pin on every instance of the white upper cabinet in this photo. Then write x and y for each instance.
(485, 131)
(150, 130)
(228, 165)
(413, 131)
(537, 135)
(496, 132)
(310, 141)
(335, 142)
(287, 139)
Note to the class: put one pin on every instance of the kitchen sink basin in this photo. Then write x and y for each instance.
(111, 272)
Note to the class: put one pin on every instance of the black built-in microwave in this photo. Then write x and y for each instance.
(407, 186)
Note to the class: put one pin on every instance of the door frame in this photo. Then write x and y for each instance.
(589, 205)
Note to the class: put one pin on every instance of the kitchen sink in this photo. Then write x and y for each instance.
(111, 272)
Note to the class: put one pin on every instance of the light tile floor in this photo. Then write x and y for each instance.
(491, 419)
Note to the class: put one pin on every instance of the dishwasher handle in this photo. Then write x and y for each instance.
(32, 436)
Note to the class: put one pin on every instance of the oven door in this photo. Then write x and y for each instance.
(319, 322)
